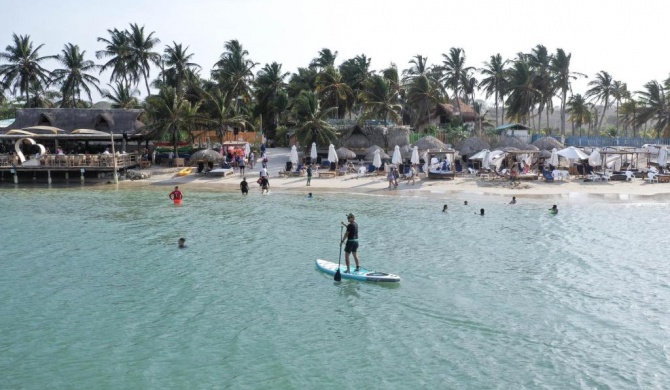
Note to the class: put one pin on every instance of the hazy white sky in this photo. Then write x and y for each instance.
(625, 39)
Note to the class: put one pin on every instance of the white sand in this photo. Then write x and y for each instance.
(616, 190)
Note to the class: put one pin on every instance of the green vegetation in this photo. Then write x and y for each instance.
(240, 93)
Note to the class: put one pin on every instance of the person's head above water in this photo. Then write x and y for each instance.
(481, 211)
(444, 208)
(182, 243)
(465, 203)
(309, 195)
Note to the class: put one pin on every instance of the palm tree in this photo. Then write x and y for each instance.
(325, 59)
(354, 72)
(141, 55)
(655, 106)
(73, 78)
(579, 111)
(118, 50)
(455, 72)
(620, 92)
(560, 67)
(234, 71)
(304, 80)
(539, 61)
(380, 99)
(629, 110)
(494, 82)
(269, 85)
(312, 122)
(122, 96)
(178, 66)
(602, 89)
(422, 89)
(332, 89)
(171, 114)
(522, 92)
(24, 67)
(217, 106)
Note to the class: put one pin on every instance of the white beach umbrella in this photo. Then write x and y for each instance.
(377, 160)
(479, 155)
(595, 160)
(415, 156)
(572, 153)
(397, 157)
(312, 152)
(485, 160)
(247, 150)
(662, 157)
(553, 160)
(425, 159)
(332, 154)
(294, 155)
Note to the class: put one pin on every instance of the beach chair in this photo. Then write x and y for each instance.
(547, 176)
(325, 164)
(298, 171)
(630, 176)
(652, 177)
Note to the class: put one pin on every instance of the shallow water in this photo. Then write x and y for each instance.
(95, 293)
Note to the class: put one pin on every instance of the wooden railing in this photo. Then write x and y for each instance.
(73, 160)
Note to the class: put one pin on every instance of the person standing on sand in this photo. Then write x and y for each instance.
(309, 174)
(252, 160)
(244, 186)
(351, 237)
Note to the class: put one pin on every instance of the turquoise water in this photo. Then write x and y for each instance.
(95, 293)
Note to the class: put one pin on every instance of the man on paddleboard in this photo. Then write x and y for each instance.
(176, 195)
(351, 237)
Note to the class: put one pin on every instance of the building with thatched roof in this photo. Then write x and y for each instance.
(446, 112)
(515, 143)
(359, 138)
(471, 145)
(119, 122)
(548, 143)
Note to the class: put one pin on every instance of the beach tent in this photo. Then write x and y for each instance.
(572, 153)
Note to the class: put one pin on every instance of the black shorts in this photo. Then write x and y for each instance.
(351, 246)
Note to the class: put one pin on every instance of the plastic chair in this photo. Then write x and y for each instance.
(630, 176)
(652, 177)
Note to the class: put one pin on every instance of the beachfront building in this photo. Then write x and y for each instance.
(516, 130)
(446, 113)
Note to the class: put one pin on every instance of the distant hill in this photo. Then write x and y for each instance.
(103, 105)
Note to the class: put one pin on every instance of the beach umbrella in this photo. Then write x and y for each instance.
(206, 155)
(479, 155)
(425, 164)
(572, 153)
(371, 154)
(485, 160)
(406, 152)
(332, 154)
(345, 154)
(247, 150)
(377, 160)
(397, 158)
(312, 152)
(595, 160)
(553, 160)
(294, 155)
(415, 156)
(662, 157)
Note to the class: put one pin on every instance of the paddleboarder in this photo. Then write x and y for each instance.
(176, 195)
(351, 238)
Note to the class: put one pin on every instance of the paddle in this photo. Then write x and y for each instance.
(338, 276)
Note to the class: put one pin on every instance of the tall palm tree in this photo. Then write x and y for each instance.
(522, 92)
(455, 73)
(579, 111)
(602, 90)
(494, 82)
(332, 89)
(422, 93)
(269, 85)
(563, 76)
(539, 60)
(325, 59)
(222, 114)
(170, 115)
(312, 122)
(141, 54)
(117, 49)
(24, 66)
(380, 99)
(122, 96)
(620, 92)
(234, 71)
(178, 65)
(73, 77)
(655, 107)
(629, 110)
(354, 72)
(304, 80)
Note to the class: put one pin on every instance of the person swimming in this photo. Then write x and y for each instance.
(309, 196)
(513, 201)
(465, 203)
(444, 209)
(481, 212)
(553, 209)
(182, 243)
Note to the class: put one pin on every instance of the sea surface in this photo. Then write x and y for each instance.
(94, 293)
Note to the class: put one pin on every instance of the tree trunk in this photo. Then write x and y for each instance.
(565, 92)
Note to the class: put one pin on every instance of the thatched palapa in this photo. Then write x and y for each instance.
(345, 154)
(69, 119)
(516, 143)
(430, 142)
(472, 145)
(370, 153)
(548, 143)
(359, 138)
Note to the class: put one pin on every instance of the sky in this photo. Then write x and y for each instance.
(625, 39)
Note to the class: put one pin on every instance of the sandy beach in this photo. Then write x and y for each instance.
(353, 182)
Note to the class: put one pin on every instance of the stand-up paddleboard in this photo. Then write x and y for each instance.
(363, 274)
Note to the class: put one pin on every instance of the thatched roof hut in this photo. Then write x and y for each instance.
(69, 119)
(471, 146)
(370, 153)
(514, 142)
(345, 154)
(358, 137)
(430, 142)
(450, 110)
(548, 143)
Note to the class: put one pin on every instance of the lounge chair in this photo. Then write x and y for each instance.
(548, 176)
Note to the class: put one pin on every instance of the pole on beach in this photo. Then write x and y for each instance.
(116, 177)
(338, 276)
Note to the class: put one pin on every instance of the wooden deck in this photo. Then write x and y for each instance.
(70, 163)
